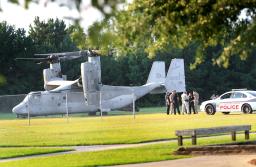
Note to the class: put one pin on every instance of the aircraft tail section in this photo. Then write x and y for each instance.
(157, 73)
(175, 79)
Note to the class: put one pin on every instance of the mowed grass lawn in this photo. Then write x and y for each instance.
(156, 152)
(149, 153)
(10, 152)
(109, 129)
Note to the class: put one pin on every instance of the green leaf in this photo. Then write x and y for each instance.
(14, 1)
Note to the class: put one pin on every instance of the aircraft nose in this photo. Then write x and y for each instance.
(19, 109)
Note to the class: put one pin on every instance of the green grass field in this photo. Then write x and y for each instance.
(149, 153)
(7, 116)
(109, 129)
(10, 152)
(112, 129)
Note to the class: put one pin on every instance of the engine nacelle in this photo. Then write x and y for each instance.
(52, 73)
(91, 83)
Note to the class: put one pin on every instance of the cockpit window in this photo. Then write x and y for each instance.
(36, 96)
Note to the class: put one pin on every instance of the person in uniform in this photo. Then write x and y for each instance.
(174, 99)
(191, 103)
(167, 101)
(213, 96)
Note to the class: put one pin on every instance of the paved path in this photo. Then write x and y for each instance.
(203, 161)
(77, 149)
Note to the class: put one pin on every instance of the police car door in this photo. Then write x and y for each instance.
(237, 101)
(223, 103)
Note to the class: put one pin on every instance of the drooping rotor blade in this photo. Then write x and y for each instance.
(36, 59)
(57, 57)
(76, 53)
(82, 53)
(49, 59)
(63, 58)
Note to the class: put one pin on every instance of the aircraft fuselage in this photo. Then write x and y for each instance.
(48, 103)
(52, 103)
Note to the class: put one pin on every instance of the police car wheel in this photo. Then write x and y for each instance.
(209, 109)
(246, 109)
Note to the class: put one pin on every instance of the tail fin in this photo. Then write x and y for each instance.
(157, 73)
(175, 79)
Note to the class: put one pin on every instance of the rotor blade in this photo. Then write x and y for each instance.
(38, 59)
(76, 53)
(69, 57)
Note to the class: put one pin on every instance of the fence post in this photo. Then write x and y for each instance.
(67, 116)
(133, 105)
(100, 104)
(28, 110)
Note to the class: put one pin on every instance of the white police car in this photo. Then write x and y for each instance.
(234, 101)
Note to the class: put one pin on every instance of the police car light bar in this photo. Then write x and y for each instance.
(239, 89)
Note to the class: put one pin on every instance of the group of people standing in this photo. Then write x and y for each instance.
(189, 102)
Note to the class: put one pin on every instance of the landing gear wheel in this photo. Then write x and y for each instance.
(104, 113)
(21, 116)
(225, 113)
(246, 109)
(209, 109)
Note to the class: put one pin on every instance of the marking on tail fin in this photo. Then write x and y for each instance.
(157, 73)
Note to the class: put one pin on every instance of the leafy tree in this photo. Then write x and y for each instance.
(14, 43)
(106, 7)
(78, 36)
(154, 25)
(53, 36)
(43, 37)
(50, 36)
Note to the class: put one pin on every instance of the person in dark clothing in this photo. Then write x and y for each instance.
(174, 99)
(191, 103)
(168, 103)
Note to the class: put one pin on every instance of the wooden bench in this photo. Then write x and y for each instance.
(209, 131)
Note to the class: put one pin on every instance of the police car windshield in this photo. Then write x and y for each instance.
(252, 93)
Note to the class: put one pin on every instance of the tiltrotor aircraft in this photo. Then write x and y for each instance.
(87, 94)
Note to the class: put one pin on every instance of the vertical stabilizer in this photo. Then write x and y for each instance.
(157, 73)
(175, 79)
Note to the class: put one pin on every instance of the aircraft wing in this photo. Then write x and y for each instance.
(57, 82)
(63, 85)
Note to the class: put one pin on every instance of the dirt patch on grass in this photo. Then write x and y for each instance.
(222, 149)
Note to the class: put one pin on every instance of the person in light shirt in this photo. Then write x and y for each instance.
(185, 103)
(174, 101)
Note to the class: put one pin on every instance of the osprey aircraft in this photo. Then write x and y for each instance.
(87, 94)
